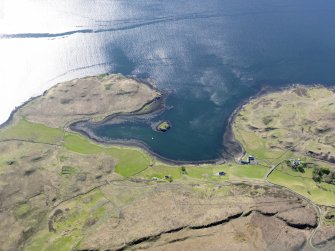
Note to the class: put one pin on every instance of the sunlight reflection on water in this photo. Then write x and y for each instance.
(211, 55)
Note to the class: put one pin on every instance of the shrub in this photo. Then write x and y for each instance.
(183, 170)
(267, 120)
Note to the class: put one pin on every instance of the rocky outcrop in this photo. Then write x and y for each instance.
(181, 220)
(301, 217)
(163, 126)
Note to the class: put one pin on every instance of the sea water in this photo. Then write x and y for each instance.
(209, 56)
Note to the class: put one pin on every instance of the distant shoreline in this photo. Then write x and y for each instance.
(17, 108)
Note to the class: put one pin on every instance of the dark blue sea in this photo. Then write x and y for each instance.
(209, 56)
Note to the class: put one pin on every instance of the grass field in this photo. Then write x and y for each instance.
(233, 172)
(160, 171)
(79, 144)
(130, 161)
(323, 193)
(24, 130)
(249, 171)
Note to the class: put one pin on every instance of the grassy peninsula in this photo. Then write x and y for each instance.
(62, 191)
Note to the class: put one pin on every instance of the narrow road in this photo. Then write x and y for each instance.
(273, 167)
(316, 207)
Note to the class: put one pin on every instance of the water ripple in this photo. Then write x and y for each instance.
(128, 27)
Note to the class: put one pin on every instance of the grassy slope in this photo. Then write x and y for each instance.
(126, 166)
(306, 187)
(321, 193)
(24, 130)
(259, 143)
(82, 209)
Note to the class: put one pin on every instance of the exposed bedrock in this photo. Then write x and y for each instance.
(180, 220)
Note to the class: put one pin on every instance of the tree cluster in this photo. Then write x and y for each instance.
(323, 175)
